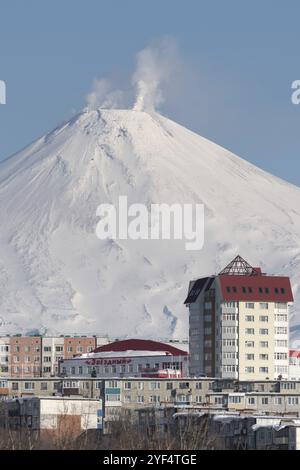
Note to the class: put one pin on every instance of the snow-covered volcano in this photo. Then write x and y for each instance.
(57, 276)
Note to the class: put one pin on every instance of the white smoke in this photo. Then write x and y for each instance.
(156, 65)
(104, 96)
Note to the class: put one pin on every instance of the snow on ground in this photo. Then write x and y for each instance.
(58, 277)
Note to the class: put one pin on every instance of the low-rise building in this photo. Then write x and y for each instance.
(129, 358)
(53, 414)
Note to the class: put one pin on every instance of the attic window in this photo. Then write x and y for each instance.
(276, 290)
(283, 290)
(234, 289)
(267, 290)
(244, 290)
(228, 289)
(260, 290)
(250, 290)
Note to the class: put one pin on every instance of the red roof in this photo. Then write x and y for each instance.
(256, 288)
(294, 353)
(140, 345)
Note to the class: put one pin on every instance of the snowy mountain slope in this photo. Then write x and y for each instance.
(57, 276)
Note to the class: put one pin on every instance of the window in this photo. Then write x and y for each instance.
(27, 349)
(140, 399)
(198, 385)
(264, 344)
(281, 318)
(249, 344)
(228, 289)
(184, 385)
(281, 305)
(140, 385)
(280, 330)
(47, 359)
(263, 331)
(293, 400)
(15, 386)
(249, 317)
(265, 401)
(251, 401)
(234, 289)
(79, 349)
(47, 348)
(288, 385)
(263, 357)
(264, 370)
(278, 400)
(69, 349)
(250, 357)
(80, 370)
(29, 385)
(249, 305)
(264, 305)
(44, 386)
(264, 318)
(235, 399)
(154, 399)
(260, 290)
(249, 370)
(154, 385)
(113, 384)
(59, 348)
(280, 356)
(281, 343)
(282, 290)
(249, 331)
(127, 385)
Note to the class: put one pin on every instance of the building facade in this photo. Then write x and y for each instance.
(239, 324)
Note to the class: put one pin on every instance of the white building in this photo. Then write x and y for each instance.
(129, 358)
(67, 414)
(239, 324)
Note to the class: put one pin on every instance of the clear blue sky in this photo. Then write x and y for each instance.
(240, 59)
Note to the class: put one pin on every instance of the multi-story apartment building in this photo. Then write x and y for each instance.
(25, 356)
(239, 324)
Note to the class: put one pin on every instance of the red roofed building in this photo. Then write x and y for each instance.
(239, 323)
(129, 358)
